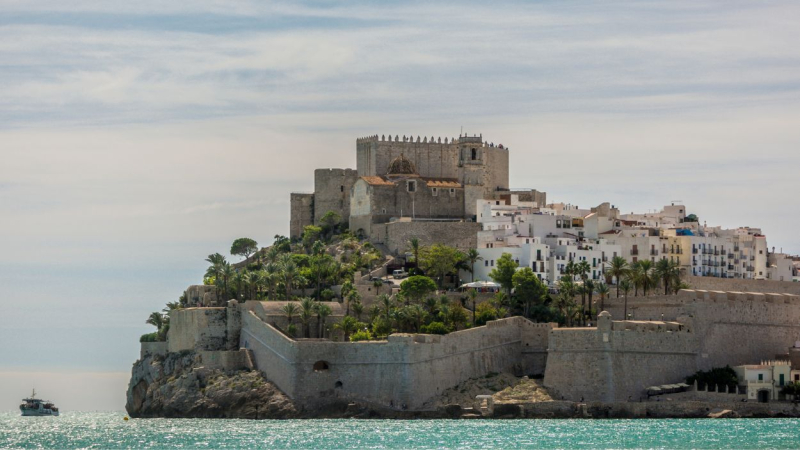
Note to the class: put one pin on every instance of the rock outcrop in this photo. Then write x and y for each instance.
(176, 385)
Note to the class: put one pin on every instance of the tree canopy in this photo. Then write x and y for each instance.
(438, 260)
(417, 287)
(244, 247)
(503, 272)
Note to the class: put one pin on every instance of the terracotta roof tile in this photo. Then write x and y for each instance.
(377, 181)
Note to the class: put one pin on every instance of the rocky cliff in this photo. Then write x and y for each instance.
(176, 385)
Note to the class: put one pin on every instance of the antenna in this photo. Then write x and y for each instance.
(462, 131)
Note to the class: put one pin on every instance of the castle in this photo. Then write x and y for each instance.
(403, 186)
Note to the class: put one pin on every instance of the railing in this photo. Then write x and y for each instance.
(653, 252)
(634, 251)
(730, 255)
(716, 252)
(730, 266)
(751, 269)
(694, 251)
(752, 258)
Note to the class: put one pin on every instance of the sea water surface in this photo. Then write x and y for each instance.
(109, 430)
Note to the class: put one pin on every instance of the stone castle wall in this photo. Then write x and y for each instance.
(743, 285)
(395, 235)
(617, 361)
(405, 370)
(332, 192)
(197, 329)
(301, 213)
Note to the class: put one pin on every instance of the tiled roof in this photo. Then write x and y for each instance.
(442, 183)
(377, 181)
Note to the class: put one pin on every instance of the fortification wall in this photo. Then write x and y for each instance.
(395, 235)
(743, 285)
(225, 360)
(617, 360)
(153, 348)
(404, 371)
(744, 328)
(274, 353)
(301, 213)
(332, 192)
(197, 329)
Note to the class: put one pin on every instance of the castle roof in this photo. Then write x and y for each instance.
(401, 166)
(377, 181)
(442, 182)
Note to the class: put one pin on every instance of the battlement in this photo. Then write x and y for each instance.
(649, 326)
(475, 140)
(696, 295)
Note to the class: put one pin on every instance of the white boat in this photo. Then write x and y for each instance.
(37, 407)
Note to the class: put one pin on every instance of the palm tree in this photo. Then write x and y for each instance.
(432, 305)
(227, 273)
(588, 286)
(348, 325)
(669, 272)
(306, 313)
(418, 314)
(217, 262)
(290, 272)
(625, 285)
(415, 247)
(290, 310)
(386, 303)
(602, 290)
(323, 311)
(374, 312)
(472, 257)
(646, 275)
(156, 319)
(358, 309)
(618, 268)
(377, 284)
(473, 294)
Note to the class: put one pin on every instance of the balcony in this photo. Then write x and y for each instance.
(653, 252)
(752, 258)
(751, 269)
(730, 266)
(736, 249)
(730, 255)
(694, 251)
(634, 251)
(716, 252)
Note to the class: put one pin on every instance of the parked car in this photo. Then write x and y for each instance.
(399, 274)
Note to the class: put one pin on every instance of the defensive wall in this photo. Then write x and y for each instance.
(395, 235)
(715, 329)
(301, 213)
(404, 371)
(617, 360)
(743, 285)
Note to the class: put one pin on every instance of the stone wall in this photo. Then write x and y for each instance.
(197, 329)
(743, 285)
(332, 192)
(152, 349)
(404, 371)
(225, 360)
(395, 235)
(301, 213)
(617, 361)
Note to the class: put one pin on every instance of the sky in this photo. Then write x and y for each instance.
(136, 138)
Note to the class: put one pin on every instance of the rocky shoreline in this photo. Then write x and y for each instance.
(177, 386)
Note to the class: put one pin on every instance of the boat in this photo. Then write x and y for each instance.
(37, 407)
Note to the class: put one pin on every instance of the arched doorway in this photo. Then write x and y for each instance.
(320, 366)
(763, 396)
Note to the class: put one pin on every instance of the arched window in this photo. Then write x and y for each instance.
(338, 385)
(474, 154)
(320, 366)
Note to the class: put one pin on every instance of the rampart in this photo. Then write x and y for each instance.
(743, 285)
(616, 361)
(403, 372)
(714, 329)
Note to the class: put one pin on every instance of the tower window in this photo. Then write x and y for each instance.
(434, 192)
(412, 186)
(452, 192)
(341, 188)
(474, 154)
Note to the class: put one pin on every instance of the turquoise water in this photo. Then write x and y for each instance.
(108, 430)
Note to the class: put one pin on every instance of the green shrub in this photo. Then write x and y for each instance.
(361, 335)
(381, 327)
(149, 337)
(435, 328)
(291, 330)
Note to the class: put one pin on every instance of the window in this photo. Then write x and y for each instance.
(341, 188)
(320, 366)
(474, 154)
(412, 186)
(435, 192)
(761, 377)
(452, 192)
(492, 263)
(486, 263)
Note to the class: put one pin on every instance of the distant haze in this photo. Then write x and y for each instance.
(138, 137)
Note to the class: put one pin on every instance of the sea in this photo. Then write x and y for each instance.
(108, 430)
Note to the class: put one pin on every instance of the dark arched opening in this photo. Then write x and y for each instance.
(474, 154)
(320, 366)
(338, 385)
(763, 396)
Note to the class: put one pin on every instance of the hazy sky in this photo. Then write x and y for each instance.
(138, 137)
